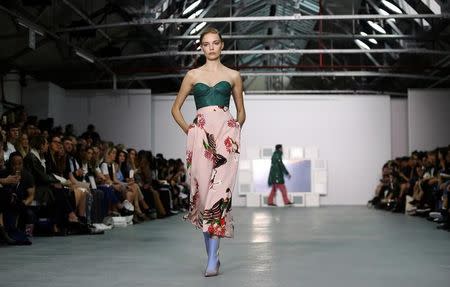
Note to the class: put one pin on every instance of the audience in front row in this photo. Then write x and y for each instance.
(53, 182)
(418, 185)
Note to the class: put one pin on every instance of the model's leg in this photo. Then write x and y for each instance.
(213, 257)
(272, 195)
(206, 238)
(284, 193)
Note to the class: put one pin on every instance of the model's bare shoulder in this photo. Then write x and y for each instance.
(194, 74)
(190, 76)
(235, 76)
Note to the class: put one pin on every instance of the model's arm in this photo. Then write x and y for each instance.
(185, 88)
(238, 98)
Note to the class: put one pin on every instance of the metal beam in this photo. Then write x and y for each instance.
(311, 36)
(278, 52)
(307, 74)
(438, 82)
(52, 35)
(295, 17)
(86, 18)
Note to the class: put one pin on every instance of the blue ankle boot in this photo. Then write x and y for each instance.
(213, 258)
(206, 237)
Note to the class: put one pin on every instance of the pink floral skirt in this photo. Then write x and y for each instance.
(212, 156)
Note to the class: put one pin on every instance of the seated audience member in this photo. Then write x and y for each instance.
(74, 174)
(444, 188)
(122, 193)
(69, 131)
(131, 159)
(49, 191)
(23, 145)
(423, 196)
(96, 210)
(123, 175)
(12, 138)
(17, 192)
(91, 135)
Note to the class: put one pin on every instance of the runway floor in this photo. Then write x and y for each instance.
(328, 246)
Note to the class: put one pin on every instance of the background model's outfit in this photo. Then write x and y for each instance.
(212, 155)
(276, 177)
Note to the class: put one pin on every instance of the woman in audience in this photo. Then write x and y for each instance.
(112, 205)
(23, 145)
(131, 159)
(123, 175)
(145, 181)
(108, 169)
(49, 191)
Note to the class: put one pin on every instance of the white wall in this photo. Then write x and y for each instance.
(429, 118)
(353, 133)
(399, 127)
(35, 98)
(12, 87)
(121, 116)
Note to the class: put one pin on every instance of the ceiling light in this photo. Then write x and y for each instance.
(197, 28)
(371, 40)
(384, 12)
(376, 27)
(191, 7)
(391, 7)
(196, 14)
(85, 56)
(362, 45)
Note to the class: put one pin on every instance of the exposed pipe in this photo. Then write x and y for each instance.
(310, 36)
(85, 17)
(295, 17)
(282, 51)
(153, 69)
(305, 74)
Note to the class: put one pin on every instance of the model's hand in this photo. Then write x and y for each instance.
(289, 176)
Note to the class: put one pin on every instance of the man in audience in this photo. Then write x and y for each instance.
(91, 135)
(12, 137)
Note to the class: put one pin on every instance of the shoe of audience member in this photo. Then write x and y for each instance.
(289, 203)
(413, 202)
(444, 226)
(172, 212)
(271, 204)
(136, 219)
(94, 231)
(114, 213)
(434, 215)
(423, 210)
(125, 212)
(151, 213)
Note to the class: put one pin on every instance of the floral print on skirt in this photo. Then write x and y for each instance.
(212, 157)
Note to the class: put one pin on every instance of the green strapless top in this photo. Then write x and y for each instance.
(217, 95)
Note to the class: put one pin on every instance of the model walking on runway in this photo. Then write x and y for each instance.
(213, 144)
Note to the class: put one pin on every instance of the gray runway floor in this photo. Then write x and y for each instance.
(328, 246)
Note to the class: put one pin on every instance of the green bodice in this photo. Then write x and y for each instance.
(217, 95)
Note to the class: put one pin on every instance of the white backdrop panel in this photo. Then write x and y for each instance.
(353, 133)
